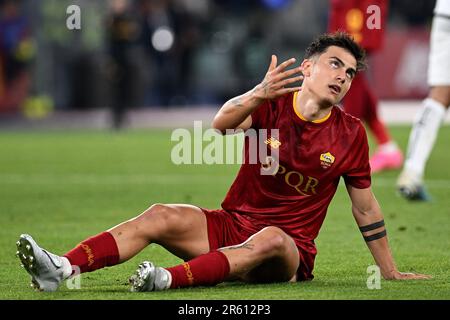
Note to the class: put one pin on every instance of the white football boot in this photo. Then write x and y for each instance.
(148, 277)
(411, 187)
(45, 268)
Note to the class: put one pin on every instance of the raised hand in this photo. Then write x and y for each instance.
(277, 77)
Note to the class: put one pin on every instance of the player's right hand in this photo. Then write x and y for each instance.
(277, 77)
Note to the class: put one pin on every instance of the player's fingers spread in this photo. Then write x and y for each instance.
(286, 74)
(294, 79)
(420, 276)
(273, 63)
(415, 276)
(424, 276)
(285, 64)
(287, 90)
(289, 81)
(290, 72)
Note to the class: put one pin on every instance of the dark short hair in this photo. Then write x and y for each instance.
(338, 39)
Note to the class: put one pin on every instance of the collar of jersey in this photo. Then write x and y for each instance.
(294, 100)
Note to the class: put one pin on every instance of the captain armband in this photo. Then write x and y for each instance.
(371, 227)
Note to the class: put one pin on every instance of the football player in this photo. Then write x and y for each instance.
(267, 225)
(428, 121)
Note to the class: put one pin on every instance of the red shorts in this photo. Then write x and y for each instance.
(229, 229)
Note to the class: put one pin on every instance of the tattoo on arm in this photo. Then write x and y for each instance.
(264, 86)
(237, 102)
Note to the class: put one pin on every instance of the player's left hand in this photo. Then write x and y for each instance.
(397, 275)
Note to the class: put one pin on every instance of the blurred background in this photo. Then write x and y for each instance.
(165, 59)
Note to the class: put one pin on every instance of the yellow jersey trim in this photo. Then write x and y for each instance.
(294, 100)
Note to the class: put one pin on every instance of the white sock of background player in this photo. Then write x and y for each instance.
(423, 136)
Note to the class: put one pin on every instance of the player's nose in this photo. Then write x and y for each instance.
(340, 78)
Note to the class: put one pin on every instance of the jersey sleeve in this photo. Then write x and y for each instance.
(358, 174)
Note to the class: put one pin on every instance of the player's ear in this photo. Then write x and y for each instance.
(306, 67)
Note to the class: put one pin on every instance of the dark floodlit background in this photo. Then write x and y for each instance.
(178, 53)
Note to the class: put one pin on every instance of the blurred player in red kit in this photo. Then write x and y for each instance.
(356, 17)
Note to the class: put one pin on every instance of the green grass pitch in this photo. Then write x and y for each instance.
(64, 186)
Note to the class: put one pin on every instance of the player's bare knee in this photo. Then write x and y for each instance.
(159, 218)
(153, 212)
(277, 244)
(274, 242)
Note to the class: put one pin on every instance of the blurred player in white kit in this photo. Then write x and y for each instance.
(428, 121)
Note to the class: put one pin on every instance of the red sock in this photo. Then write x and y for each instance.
(208, 269)
(94, 253)
(379, 130)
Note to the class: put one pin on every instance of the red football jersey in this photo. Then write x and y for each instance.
(312, 158)
(359, 18)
